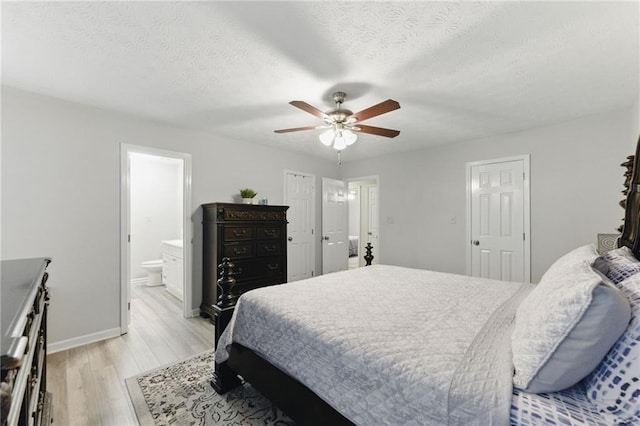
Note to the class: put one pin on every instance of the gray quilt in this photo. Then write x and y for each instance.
(387, 345)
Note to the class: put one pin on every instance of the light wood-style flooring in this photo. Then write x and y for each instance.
(87, 383)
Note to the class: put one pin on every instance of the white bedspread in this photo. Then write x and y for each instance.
(389, 346)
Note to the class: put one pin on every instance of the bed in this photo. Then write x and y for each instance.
(399, 346)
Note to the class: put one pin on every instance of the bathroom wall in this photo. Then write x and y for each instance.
(354, 209)
(156, 207)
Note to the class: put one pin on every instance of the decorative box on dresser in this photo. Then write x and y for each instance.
(253, 237)
(25, 300)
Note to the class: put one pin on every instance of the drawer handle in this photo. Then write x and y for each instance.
(273, 267)
(270, 248)
(270, 232)
(238, 251)
(240, 233)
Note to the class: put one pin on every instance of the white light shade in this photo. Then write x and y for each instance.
(327, 137)
(340, 142)
(349, 137)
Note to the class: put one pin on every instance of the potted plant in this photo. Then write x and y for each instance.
(247, 195)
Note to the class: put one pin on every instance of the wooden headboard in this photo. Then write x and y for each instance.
(631, 226)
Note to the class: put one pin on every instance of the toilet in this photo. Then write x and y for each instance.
(154, 272)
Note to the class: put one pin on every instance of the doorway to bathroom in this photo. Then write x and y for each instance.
(363, 219)
(155, 227)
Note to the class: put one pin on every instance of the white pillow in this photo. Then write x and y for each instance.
(586, 253)
(566, 325)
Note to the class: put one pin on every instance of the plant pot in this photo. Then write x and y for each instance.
(247, 201)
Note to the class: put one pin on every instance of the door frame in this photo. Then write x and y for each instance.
(526, 159)
(376, 179)
(125, 227)
(312, 211)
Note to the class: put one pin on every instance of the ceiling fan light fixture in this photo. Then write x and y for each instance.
(327, 137)
(349, 137)
(340, 143)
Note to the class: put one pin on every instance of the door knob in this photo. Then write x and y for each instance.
(476, 242)
(290, 239)
(325, 238)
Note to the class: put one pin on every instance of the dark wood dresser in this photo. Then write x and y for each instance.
(253, 237)
(25, 301)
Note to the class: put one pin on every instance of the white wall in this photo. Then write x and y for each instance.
(61, 180)
(61, 192)
(575, 189)
(156, 207)
(635, 117)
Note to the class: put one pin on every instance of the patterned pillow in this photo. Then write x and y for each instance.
(614, 386)
(618, 264)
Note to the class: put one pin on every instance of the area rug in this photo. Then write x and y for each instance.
(180, 395)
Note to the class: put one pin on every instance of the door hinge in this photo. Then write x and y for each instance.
(311, 231)
(129, 238)
(523, 236)
(129, 306)
(312, 273)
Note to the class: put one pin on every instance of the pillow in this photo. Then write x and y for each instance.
(618, 264)
(566, 325)
(614, 386)
(587, 253)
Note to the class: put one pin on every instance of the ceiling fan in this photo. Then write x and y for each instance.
(342, 122)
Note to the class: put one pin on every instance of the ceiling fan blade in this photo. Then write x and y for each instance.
(389, 133)
(296, 129)
(381, 108)
(310, 109)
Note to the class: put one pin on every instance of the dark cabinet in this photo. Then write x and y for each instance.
(24, 399)
(253, 237)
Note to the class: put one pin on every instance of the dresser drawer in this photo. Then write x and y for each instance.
(268, 232)
(237, 250)
(260, 268)
(242, 288)
(238, 233)
(268, 248)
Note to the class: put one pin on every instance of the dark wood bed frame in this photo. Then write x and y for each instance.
(304, 406)
(631, 226)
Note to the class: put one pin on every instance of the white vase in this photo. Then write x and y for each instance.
(247, 201)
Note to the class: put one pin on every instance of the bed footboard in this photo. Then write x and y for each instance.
(288, 394)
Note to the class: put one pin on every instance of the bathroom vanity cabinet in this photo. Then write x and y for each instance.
(253, 237)
(173, 267)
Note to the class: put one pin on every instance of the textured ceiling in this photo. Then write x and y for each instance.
(459, 70)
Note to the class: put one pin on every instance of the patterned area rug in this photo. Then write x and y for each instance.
(180, 395)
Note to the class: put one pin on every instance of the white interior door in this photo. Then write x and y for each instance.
(497, 221)
(335, 221)
(299, 196)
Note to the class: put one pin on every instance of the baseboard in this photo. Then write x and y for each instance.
(82, 340)
(195, 312)
(174, 293)
(138, 281)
